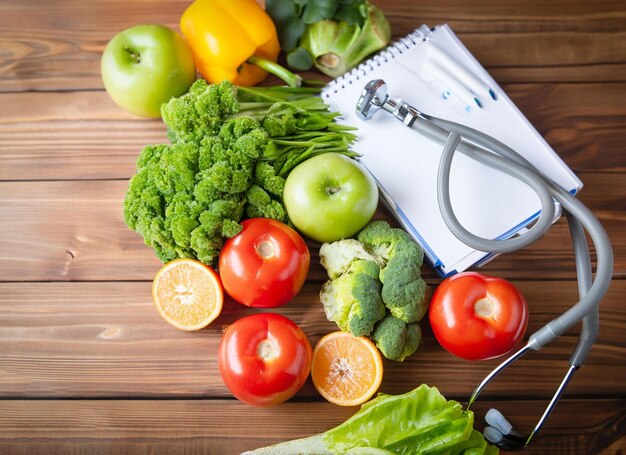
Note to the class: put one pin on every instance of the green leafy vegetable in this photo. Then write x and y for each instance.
(231, 148)
(376, 289)
(419, 422)
(333, 35)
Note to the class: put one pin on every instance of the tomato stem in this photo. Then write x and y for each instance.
(267, 349)
(265, 249)
(484, 308)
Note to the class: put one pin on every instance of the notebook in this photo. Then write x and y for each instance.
(432, 70)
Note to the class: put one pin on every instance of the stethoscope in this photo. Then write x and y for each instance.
(487, 150)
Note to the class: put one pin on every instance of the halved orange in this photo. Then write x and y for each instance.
(188, 294)
(346, 370)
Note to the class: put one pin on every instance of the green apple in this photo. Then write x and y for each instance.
(330, 197)
(145, 66)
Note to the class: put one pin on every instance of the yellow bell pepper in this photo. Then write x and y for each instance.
(226, 36)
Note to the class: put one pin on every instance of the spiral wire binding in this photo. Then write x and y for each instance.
(389, 53)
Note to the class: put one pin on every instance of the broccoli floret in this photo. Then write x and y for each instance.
(383, 241)
(403, 288)
(394, 268)
(395, 339)
(353, 300)
(337, 256)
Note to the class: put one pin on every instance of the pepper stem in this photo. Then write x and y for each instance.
(291, 79)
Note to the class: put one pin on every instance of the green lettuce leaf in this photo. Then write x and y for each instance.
(419, 422)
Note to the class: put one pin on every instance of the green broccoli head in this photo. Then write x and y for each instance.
(336, 257)
(395, 339)
(403, 289)
(353, 300)
(383, 241)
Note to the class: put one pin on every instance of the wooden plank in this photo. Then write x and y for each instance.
(106, 339)
(69, 231)
(535, 40)
(527, 42)
(73, 230)
(70, 135)
(224, 427)
(60, 48)
(83, 135)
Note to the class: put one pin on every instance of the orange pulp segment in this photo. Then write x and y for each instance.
(188, 294)
(346, 370)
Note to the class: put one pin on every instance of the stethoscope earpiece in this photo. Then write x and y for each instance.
(498, 421)
(493, 435)
(500, 432)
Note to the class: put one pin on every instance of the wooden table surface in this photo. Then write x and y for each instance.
(87, 366)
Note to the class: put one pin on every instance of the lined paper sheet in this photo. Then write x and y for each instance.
(487, 202)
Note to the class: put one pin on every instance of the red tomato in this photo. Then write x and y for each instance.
(264, 359)
(265, 265)
(478, 317)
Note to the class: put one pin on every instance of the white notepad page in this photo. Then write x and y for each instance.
(487, 202)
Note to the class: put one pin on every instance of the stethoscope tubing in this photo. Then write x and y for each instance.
(501, 157)
(491, 152)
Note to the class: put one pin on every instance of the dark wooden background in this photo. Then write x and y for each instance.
(87, 366)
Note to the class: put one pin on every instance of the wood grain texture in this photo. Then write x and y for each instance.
(555, 41)
(88, 367)
(83, 135)
(73, 230)
(228, 427)
(106, 339)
